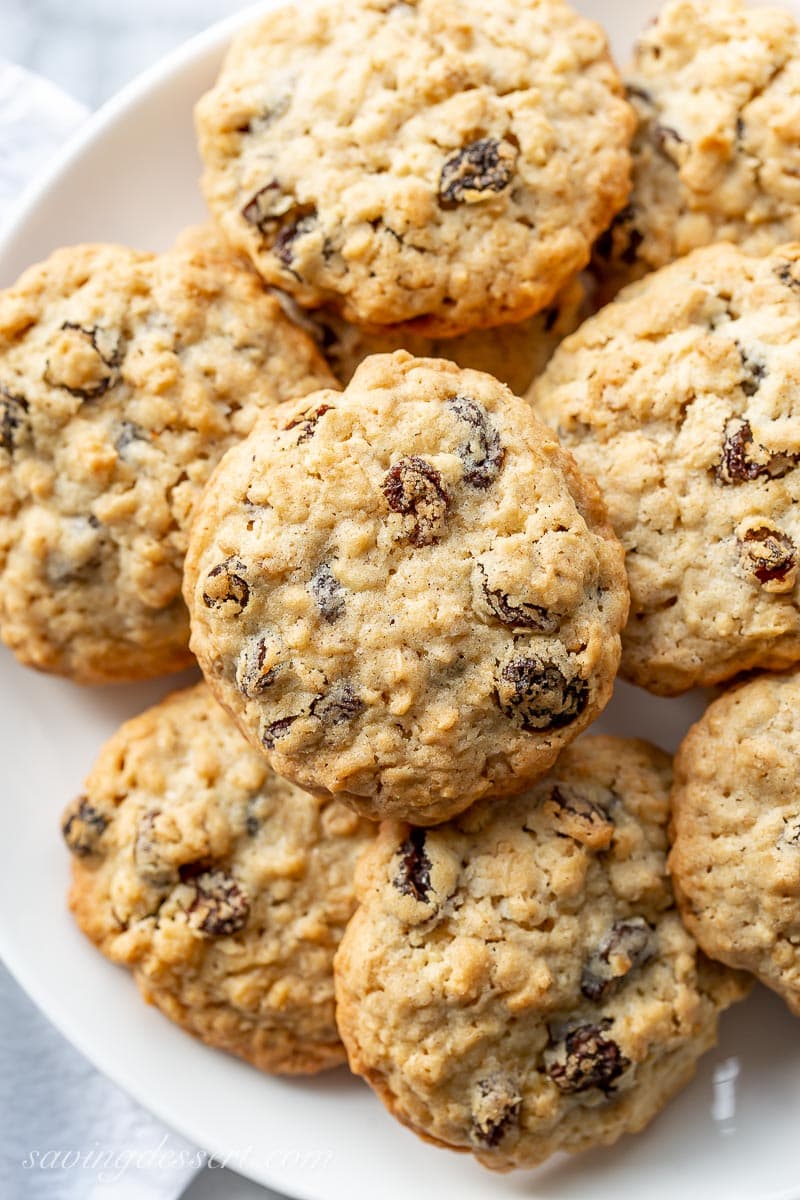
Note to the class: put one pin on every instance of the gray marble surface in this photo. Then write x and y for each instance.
(91, 48)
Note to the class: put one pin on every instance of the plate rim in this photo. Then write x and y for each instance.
(44, 992)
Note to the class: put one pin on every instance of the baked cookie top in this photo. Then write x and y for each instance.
(406, 593)
(716, 156)
(681, 399)
(447, 162)
(123, 378)
(224, 888)
(517, 981)
(735, 858)
(514, 354)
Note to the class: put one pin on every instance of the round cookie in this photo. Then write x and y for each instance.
(716, 156)
(123, 378)
(518, 981)
(735, 858)
(514, 354)
(442, 162)
(224, 888)
(405, 593)
(680, 398)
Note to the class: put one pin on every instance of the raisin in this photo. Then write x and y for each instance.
(290, 231)
(189, 871)
(622, 239)
(279, 219)
(482, 453)
(752, 381)
(576, 817)
(519, 616)
(380, 226)
(266, 117)
(538, 692)
(14, 426)
(496, 1104)
(664, 134)
(108, 347)
(413, 487)
(769, 554)
(253, 676)
(414, 873)
(477, 170)
(129, 432)
(220, 905)
(734, 465)
(226, 587)
(338, 705)
(786, 274)
(83, 827)
(627, 944)
(586, 1058)
(147, 856)
(328, 593)
(264, 208)
(275, 730)
(754, 371)
(307, 422)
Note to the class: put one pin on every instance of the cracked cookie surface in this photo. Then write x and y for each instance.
(716, 157)
(518, 981)
(735, 858)
(221, 886)
(680, 398)
(123, 379)
(405, 593)
(442, 162)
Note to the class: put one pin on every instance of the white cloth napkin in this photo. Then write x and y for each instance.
(36, 118)
(66, 1132)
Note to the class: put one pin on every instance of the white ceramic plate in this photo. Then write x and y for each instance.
(131, 176)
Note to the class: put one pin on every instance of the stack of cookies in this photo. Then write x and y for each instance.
(331, 448)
